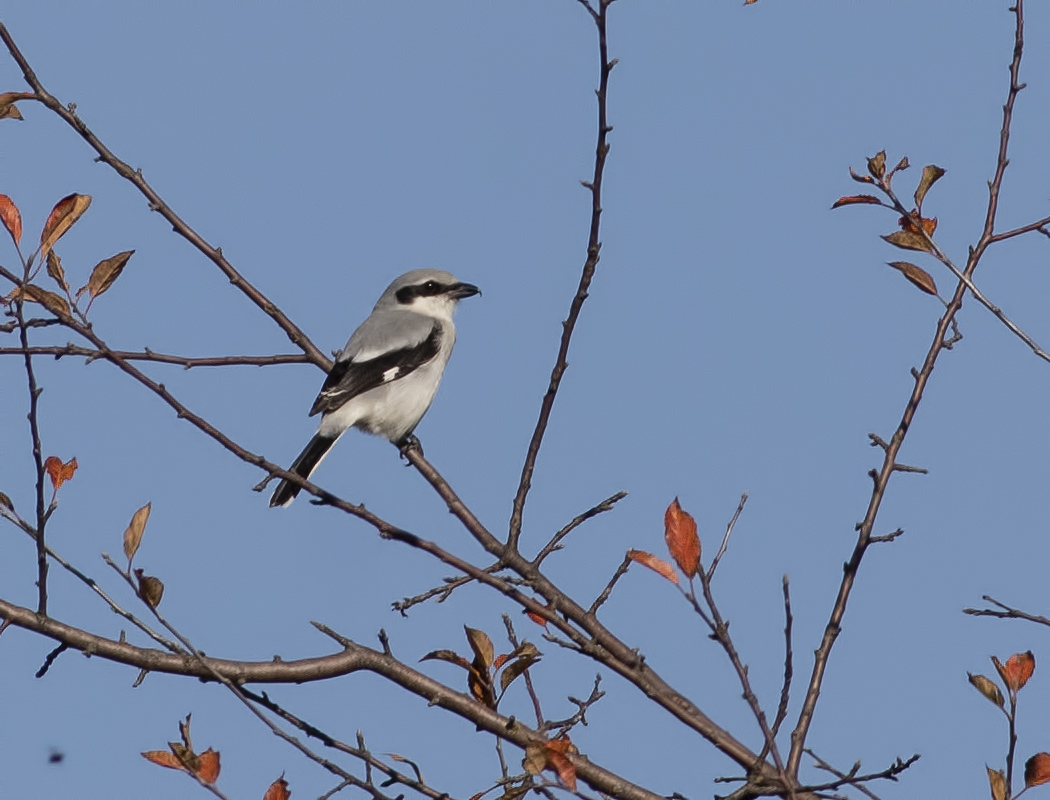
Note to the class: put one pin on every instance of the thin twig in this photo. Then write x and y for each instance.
(725, 539)
(593, 255)
(1006, 613)
(555, 542)
(785, 690)
(187, 362)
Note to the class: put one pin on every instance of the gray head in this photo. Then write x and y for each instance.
(432, 292)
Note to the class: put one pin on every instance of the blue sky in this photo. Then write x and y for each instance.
(739, 336)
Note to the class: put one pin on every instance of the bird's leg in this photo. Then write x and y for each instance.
(409, 442)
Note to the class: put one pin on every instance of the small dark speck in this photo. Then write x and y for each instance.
(56, 757)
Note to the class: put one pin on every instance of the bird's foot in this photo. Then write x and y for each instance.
(410, 442)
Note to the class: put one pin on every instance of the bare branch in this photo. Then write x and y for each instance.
(555, 542)
(589, 267)
(725, 539)
(188, 362)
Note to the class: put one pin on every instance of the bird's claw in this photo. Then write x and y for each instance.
(410, 442)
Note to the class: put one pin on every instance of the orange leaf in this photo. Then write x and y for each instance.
(67, 211)
(928, 224)
(1017, 670)
(558, 752)
(1037, 770)
(657, 565)
(163, 758)
(681, 538)
(278, 790)
(209, 768)
(58, 472)
(11, 218)
(854, 199)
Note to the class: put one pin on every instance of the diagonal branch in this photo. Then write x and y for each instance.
(882, 477)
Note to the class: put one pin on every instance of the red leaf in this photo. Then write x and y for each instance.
(1037, 770)
(1017, 669)
(681, 538)
(855, 199)
(11, 218)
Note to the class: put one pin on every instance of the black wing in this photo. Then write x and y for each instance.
(350, 378)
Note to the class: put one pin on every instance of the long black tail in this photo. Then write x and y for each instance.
(304, 465)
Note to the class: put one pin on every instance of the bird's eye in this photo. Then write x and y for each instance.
(430, 286)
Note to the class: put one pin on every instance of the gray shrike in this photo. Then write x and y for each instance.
(385, 378)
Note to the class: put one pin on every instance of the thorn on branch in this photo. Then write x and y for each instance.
(887, 537)
(878, 441)
(907, 468)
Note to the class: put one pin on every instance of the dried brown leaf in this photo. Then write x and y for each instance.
(8, 109)
(163, 758)
(997, 782)
(860, 178)
(856, 199)
(515, 670)
(11, 218)
(54, 269)
(908, 240)
(450, 656)
(877, 165)
(987, 687)
(480, 685)
(917, 275)
(105, 273)
(5, 501)
(481, 644)
(657, 565)
(682, 542)
(31, 293)
(134, 531)
(67, 211)
(151, 589)
(930, 175)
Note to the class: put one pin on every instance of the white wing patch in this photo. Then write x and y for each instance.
(390, 374)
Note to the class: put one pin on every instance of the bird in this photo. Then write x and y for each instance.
(385, 378)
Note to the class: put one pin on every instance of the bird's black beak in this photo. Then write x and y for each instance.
(461, 290)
